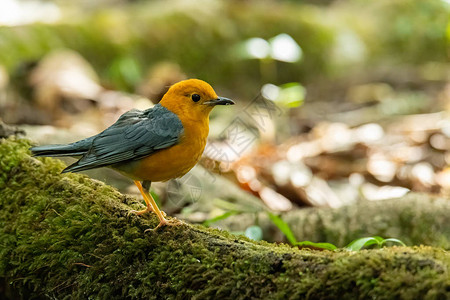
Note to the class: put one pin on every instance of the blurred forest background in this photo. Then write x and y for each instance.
(338, 102)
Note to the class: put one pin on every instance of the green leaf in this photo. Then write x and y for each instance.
(358, 244)
(308, 244)
(292, 94)
(283, 226)
(394, 241)
(155, 197)
(379, 239)
(220, 217)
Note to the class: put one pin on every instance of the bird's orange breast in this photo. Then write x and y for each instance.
(171, 162)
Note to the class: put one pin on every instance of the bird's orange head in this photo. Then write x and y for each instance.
(192, 99)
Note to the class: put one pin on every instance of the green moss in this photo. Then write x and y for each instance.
(67, 236)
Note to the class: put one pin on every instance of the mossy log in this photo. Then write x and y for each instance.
(68, 236)
(415, 218)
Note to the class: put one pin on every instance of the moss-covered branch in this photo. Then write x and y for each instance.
(67, 236)
(416, 219)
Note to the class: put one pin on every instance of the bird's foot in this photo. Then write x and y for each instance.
(165, 222)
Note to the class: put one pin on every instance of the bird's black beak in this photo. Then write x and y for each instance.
(219, 101)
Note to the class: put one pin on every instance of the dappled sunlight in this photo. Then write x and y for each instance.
(16, 12)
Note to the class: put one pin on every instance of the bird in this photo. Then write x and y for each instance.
(156, 144)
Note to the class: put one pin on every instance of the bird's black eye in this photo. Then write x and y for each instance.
(195, 97)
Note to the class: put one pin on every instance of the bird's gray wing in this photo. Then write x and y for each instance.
(136, 134)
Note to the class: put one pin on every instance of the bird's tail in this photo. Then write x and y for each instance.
(57, 150)
(74, 149)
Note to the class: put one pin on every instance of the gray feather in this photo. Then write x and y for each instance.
(73, 149)
(135, 135)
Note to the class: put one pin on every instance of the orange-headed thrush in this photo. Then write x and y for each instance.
(156, 144)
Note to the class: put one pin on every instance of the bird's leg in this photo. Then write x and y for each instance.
(142, 188)
(147, 202)
(152, 206)
(149, 199)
